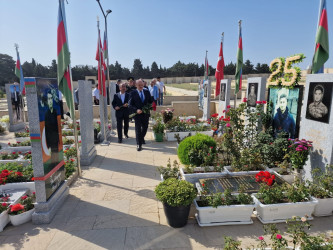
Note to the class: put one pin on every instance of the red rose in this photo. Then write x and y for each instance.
(228, 106)
(278, 236)
(264, 102)
(258, 102)
(244, 99)
(24, 197)
(4, 204)
(17, 207)
(14, 153)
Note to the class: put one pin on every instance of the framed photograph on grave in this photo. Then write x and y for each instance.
(319, 101)
(286, 110)
(16, 100)
(252, 94)
(222, 91)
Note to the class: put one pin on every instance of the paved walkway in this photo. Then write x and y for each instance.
(113, 206)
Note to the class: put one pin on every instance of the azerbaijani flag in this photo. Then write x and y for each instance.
(64, 77)
(219, 74)
(321, 54)
(239, 64)
(207, 71)
(19, 72)
(101, 66)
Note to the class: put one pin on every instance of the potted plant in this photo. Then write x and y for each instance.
(167, 115)
(322, 189)
(224, 209)
(176, 196)
(277, 203)
(168, 171)
(4, 218)
(298, 154)
(21, 212)
(158, 129)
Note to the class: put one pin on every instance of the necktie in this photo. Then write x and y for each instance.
(141, 95)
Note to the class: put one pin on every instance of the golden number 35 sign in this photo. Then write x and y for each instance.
(282, 72)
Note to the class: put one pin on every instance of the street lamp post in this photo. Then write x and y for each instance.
(112, 90)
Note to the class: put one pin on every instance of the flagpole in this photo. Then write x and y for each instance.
(76, 144)
(239, 28)
(101, 97)
(21, 90)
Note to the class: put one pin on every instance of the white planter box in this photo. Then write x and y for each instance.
(224, 215)
(19, 185)
(21, 218)
(275, 213)
(228, 170)
(4, 220)
(23, 149)
(22, 139)
(194, 177)
(185, 118)
(210, 132)
(170, 136)
(324, 207)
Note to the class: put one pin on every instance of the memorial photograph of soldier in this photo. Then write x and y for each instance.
(222, 92)
(50, 122)
(17, 104)
(252, 93)
(319, 101)
(286, 110)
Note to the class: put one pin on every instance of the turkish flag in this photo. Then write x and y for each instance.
(219, 75)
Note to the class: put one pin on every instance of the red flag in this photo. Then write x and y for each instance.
(219, 74)
(101, 66)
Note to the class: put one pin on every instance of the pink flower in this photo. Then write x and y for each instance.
(4, 204)
(228, 106)
(258, 102)
(264, 102)
(24, 197)
(261, 238)
(228, 124)
(278, 236)
(244, 99)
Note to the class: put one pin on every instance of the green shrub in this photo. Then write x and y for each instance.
(192, 144)
(176, 192)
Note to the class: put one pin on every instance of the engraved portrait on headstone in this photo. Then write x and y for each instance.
(222, 92)
(252, 94)
(16, 100)
(286, 110)
(319, 101)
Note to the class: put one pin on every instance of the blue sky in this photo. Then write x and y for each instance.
(164, 31)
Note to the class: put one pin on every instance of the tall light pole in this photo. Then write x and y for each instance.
(112, 89)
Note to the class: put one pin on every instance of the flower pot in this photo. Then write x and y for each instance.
(275, 213)
(224, 215)
(4, 220)
(324, 207)
(21, 218)
(176, 216)
(159, 137)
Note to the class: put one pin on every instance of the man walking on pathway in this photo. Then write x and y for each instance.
(138, 100)
(160, 84)
(120, 104)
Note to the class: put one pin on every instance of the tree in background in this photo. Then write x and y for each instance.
(7, 69)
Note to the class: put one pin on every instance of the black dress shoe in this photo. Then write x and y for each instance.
(138, 147)
(120, 140)
(143, 142)
(126, 136)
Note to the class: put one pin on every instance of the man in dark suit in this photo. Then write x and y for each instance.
(120, 104)
(138, 99)
(16, 101)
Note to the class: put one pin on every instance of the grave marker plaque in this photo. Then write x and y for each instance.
(206, 100)
(47, 148)
(317, 120)
(224, 96)
(256, 90)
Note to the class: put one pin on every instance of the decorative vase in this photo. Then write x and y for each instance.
(21, 218)
(177, 216)
(159, 137)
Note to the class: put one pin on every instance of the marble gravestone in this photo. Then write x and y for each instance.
(15, 107)
(256, 90)
(224, 96)
(47, 156)
(206, 100)
(317, 120)
(88, 150)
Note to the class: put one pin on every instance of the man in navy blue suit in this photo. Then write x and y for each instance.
(138, 99)
(120, 104)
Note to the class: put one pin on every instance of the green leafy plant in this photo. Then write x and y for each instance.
(22, 134)
(158, 127)
(299, 152)
(231, 244)
(15, 172)
(20, 144)
(5, 119)
(169, 171)
(25, 204)
(195, 144)
(176, 192)
(178, 137)
(70, 153)
(3, 206)
(9, 156)
(67, 141)
(322, 184)
(70, 167)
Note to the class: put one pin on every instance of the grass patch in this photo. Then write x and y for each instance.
(187, 86)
